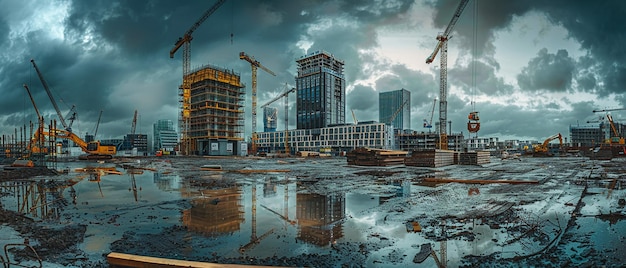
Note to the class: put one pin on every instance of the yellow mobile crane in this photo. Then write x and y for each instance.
(93, 149)
(442, 46)
(254, 64)
(185, 88)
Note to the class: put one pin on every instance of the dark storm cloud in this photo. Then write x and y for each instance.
(483, 75)
(552, 72)
(363, 98)
(597, 26)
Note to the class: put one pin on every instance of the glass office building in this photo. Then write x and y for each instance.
(321, 91)
(390, 104)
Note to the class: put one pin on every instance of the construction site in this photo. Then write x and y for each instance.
(315, 212)
(325, 194)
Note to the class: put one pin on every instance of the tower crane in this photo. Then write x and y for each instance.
(54, 103)
(616, 138)
(286, 105)
(429, 123)
(254, 65)
(443, 77)
(185, 88)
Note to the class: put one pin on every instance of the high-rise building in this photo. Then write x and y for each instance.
(270, 114)
(216, 120)
(165, 137)
(392, 103)
(321, 91)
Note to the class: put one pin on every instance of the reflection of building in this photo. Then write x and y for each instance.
(321, 91)
(218, 211)
(403, 189)
(318, 217)
(392, 103)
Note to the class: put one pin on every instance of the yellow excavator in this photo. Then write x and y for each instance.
(93, 149)
(542, 149)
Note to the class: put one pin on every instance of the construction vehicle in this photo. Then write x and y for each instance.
(615, 138)
(286, 105)
(93, 149)
(429, 123)
(442, 46)
(254, 64)
(543, 149)
(185, 88)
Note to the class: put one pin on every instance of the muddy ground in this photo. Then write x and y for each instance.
(57, 242)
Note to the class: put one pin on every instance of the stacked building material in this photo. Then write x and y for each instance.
(430, 158)
(363, 156)
(473, 158)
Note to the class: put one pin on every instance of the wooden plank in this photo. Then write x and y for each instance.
(117, 259)
(479, 181)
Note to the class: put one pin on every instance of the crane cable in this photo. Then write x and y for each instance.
(474, 51)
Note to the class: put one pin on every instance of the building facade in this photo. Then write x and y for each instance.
(320, 91)
(216, 115)
(270, 116)
(395, 103)
(333, 139)
(164, 136)
(412, 140)
(586, 136)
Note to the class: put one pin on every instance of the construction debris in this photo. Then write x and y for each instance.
(430, 158)
(375, 157)
(473, 158)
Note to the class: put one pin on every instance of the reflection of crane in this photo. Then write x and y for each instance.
(286, 105)
(185, 42)
(429, 123)
(443, 76)
(54, 103)
(254, 64)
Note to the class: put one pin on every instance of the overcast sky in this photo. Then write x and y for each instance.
(532, 68)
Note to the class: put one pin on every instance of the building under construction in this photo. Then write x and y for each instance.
(216, 115)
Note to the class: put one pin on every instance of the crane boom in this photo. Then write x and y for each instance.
(97, 125)
(442, 46)
(54, 103)
(187, 37)
(608, 110)
(254, 64)
(278, 97)
(395, 114)
(134, 126)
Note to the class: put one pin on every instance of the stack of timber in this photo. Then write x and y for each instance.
(473, 158)
(430, 158)
(375, 157)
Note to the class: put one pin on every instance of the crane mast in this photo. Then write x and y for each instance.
(185, 88)
(442, 46)
(254, 65)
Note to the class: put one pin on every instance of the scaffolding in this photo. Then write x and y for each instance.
(216, 106)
